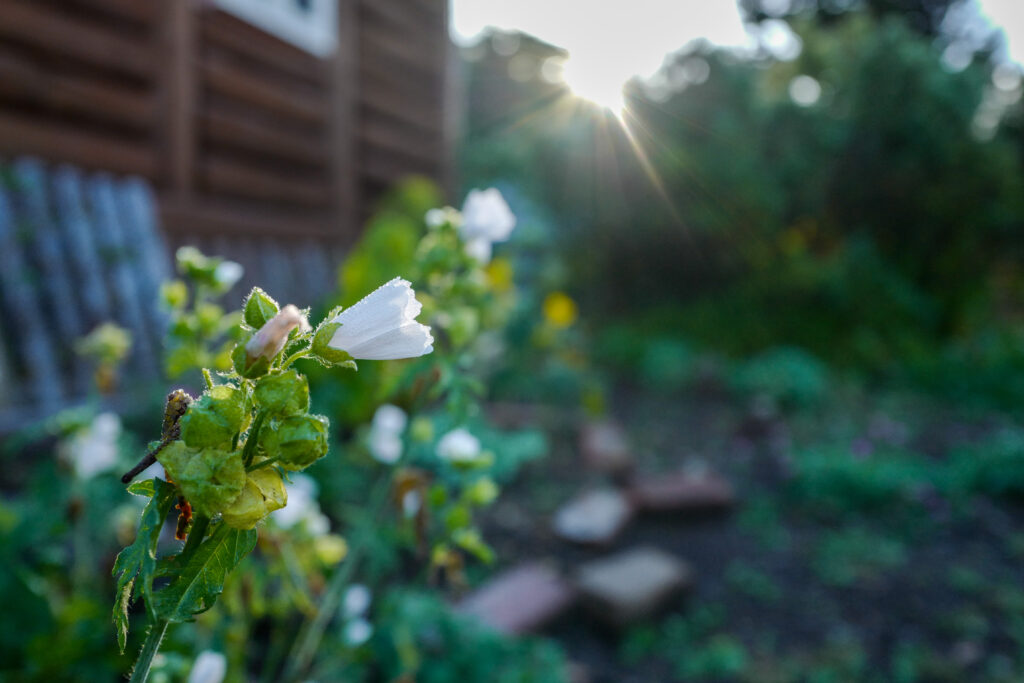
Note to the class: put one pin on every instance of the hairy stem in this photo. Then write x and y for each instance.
(149, 649)
(249, 451)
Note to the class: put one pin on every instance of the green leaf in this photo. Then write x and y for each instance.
(201, 580)
(470, 540)
(259, 308)
(143, 488)
(139, 559)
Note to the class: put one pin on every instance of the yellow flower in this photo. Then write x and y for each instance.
(559, 309)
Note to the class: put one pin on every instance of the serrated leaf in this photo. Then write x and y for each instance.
(136, 564)
(201, 580)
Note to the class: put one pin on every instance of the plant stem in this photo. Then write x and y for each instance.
(156, 634)
(250, 442)
(262, 463)
(208, 378)
(195, 536)
(301, 353)
(309, 638)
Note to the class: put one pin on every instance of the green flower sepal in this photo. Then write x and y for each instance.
(209, 478)
(296, 442)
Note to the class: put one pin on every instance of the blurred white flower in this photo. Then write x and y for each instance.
(382, 325)
(227, 273)
(271, 338)
(480, 249)
(435, 218)
(458, 445)
(385, 439)
(385, 447)
(210, 667)
(389, 418)
(357, 632)
(411, 503)
(302, 507)
(485, 214)
(357, 600)
(486, 218)
(94, 449)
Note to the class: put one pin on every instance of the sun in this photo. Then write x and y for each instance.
(589, 80)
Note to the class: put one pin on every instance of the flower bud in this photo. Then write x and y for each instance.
(246, 367)
(284, 393)
(210, 479)
(263, 493)
(214, 419)
(271, 337)
(259, 308)
(297, 441)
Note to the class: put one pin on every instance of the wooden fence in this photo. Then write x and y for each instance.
(250, 142)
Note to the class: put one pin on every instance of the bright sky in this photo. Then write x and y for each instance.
(610, 41)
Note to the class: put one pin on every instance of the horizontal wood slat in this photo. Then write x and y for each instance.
(291, 102)
(29, 83)
(218, 28)
(62, 142)
(228, 128)
(60, 33)
(240, 179)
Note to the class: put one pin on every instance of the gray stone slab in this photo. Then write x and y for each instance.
(521, 600)
(605, 448)
(593, 518)
(632, 585)
(683, 492)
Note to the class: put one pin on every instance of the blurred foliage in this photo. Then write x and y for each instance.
(874, 225)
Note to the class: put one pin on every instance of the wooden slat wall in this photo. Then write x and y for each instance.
(401, 101)
(239, 132)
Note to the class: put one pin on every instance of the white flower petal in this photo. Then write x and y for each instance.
(479, 249)
(389, 418)
(357, 600)
(385, 447)
(209, 667)
(458, 445)
(382, 325)
(486, 215)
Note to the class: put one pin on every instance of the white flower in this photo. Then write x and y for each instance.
(227, 273)
(389, 418)
(458, 445)
(94, 449)
(385, 439)
(210, 667)
(486, 215)
(271, 338)
(357, 632)
(385, 447)
(382, 325)
(357, 600)
(302, 507)
(479, 249)
(486, 219)
(412, 501)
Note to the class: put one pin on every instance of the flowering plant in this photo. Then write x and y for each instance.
(228, 452)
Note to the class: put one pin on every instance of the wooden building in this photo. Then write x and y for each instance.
(272, 124)
(261, 130)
